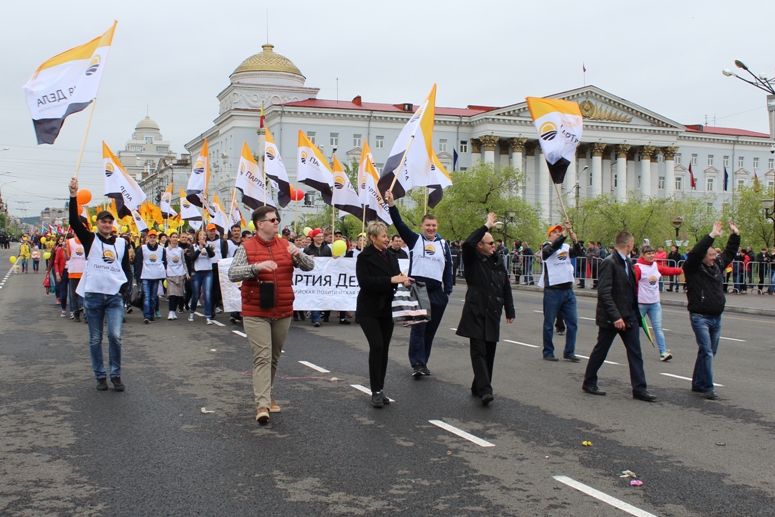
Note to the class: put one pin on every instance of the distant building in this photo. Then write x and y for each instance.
(145, 149)
(54, 215)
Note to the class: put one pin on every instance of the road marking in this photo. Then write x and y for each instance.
(461, 433)
(584, 318)
(733, 339)
(452, 328)
(366, 390)
(314, 367)
(685, 378)
(585, 357)
(539, 312)
(597, 494)
(240, 333)
(520, 343)
(218, 323)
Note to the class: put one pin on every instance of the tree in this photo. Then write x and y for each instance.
(746, 212)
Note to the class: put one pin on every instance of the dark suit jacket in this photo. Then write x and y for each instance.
(376, 290)
(616, 297)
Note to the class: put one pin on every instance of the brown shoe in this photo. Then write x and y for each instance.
(273, 407)
(262, 415)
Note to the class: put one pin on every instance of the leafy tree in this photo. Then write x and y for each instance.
(746, 212)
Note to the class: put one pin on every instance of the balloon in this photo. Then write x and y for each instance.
(339, 248)
(124, 229)
(12, 259)
(47, 255)
(165, 284)
(43, 240)
(252, 226)
(83, 197)
(307, 230)
(297, 195)
(94, 218)
(292, 191)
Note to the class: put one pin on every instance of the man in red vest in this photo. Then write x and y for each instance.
(264, 265)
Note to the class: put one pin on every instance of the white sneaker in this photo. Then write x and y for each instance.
(218, 310)
(666, 356)
(209, 321)
(191, 317)
(171, 316)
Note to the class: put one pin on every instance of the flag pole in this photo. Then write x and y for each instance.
(562, 203)
(401, 165)
(295, 212)
(425, 198)
(363, 226)
(85, 135)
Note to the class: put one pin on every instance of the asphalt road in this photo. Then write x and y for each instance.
(68, 449)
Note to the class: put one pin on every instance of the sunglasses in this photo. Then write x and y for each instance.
(272, 220)
(491, 243)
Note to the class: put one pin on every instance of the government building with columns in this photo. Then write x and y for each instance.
(626, 149)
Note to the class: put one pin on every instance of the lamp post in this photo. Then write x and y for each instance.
(578, 175)
(677, 222)
(763, 83)
(768, 207)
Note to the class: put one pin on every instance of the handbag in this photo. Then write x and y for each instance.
(411, 305)
(136, 296)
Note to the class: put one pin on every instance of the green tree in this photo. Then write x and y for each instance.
(747, 214)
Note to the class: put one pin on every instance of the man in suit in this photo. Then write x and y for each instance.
(617, 313)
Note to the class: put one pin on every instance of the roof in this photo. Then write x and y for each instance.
(268, 61)
(728, 131)
(147, 123)
(357, 104)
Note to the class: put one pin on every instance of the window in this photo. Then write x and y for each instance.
(662, 182)
(463, 169)
(162, 149)
(464, 146)
(771, 184)
(740, 162)
(334, 140)
(709, 207)
(357, 140)
(379, 142)
(771, 163)
(710, 184)
(755, 163)
(616, 180)
(679, 183)
(148, 139)
(379, 167)
(442, 145)
(311, 136)
(726, 161)
(710, 160)
(694, 160)
(678, 158)
(741, 183)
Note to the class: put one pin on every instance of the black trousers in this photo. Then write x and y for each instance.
(217, 299)
(631, 338)
(482, 359)
(378, 332)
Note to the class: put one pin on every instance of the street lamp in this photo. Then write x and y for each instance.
(677, 222)
(760, 81)
(768, 206)
(511, 216)
(578, 174)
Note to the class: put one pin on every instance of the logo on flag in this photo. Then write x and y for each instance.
(199, 167)
(270, 154)
(94, 64)
(303, 157)
(109, 170)
(548, 131)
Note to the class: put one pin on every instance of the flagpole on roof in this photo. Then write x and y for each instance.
(85, 135)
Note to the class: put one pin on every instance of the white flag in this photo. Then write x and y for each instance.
(250, 181)
(369, 194)
(275, 170)
(119, 185)
(312, 168)
(196, 191)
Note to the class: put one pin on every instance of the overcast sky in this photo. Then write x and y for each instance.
(174, 57)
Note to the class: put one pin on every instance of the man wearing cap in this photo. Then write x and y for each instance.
(103, 284)
(151, 265)
(286, 234)
(557, 281)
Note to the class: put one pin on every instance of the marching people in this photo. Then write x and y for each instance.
(25, 252)
(104, 281)
(488, 294)
(318, 248)
(378, 276)
(264, 265)
(76, 264)
(617, 314)
(233, 243)
(704, 271)
(220, 250)
(177, 274)
(202, 276)
(151, 263)
(431, 264)
(557, 281)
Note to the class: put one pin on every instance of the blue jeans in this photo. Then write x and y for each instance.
(562, 302)
(422, 334)
(654, 311)
(150, 298)
(202, 280)
(98, 308)
(772, 282)
(25, 263)
(706, 330)
(314, 316)
(528, 269)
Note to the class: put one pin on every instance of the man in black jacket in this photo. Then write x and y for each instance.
(704, 272)
(617, 313)
(489, 292)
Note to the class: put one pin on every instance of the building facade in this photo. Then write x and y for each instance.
(143, 152)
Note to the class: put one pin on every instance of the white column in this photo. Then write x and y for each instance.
(597, 168)
(488, 144)
(669, 154)
(621, 172)
(544, 179)
(646, 152)
(517, 146)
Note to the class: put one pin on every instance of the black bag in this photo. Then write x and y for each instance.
(266, 295)
(136, 296)
(411, 304)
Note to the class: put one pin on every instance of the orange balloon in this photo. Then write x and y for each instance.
(83, 197)
(292, 190)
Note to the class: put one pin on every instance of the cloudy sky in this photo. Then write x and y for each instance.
(173, 57)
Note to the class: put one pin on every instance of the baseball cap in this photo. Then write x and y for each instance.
(211, 226)
(153, 232)
(104, 214)
(286, 231)
(555, 227)
(338, 232)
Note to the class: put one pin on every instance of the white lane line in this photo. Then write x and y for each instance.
(452, 328)
(314, 367)
(520, 343)
(461, 433)
(597, 494)
(366, 390)
(218, 323)
(585, 357)
(733, 339)
(539, 312)
(199, 314)
(685, 378)
(240, 333)
(585, 318)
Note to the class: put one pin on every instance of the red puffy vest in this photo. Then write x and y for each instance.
(259, 250)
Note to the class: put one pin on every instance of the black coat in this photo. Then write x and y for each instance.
(616, 296)
(705, 284)
(489, 291)
(375, 297)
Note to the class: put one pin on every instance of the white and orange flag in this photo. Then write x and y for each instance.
(368, 193)
(196, 190)
(166, 203)
(559, 124)
(275, 170)
(189, 212)
(119, 185)
(235, 214)
(312, 168)
(250, 181)
(66, 84)
(344, 197)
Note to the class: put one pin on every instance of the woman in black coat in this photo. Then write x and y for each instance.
(378, 276)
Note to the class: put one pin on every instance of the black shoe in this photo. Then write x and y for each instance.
(644, 395)
(77, 317)
(669, 290)
(571, 358)
(295, 317)
(385, 399)
(550, 358)
(417, 372)
(424, 370)
(187, 307)
(376, 400)
(487, 398)
(117, 384)
(129, 309)
(592, 390)
(316, 324)
(344, 321)
(102, 384)
(303, 315)
(232, 320)
(560, 332)
(146, 321)
(710, 395)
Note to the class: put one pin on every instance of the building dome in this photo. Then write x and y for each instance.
(268, 61)
(146, 124)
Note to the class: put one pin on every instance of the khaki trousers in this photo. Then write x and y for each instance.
(266, 338)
